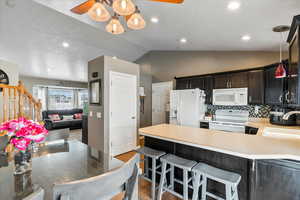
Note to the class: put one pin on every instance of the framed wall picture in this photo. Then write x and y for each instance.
(95, 92)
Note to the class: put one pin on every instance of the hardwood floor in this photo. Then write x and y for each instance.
(144, 186)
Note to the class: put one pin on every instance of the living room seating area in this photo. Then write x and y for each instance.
(58, 119)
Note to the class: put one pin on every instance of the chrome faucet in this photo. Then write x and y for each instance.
(287, 115)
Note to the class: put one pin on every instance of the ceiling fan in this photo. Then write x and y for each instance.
(96, 9)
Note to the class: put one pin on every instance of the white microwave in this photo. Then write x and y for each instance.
(230, 97)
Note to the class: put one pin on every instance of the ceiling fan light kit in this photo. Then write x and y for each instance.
(97, 11)
(136, 21)
(114, 26)
(123, 7)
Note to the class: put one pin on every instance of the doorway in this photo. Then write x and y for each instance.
(161, 101)
(123, 112)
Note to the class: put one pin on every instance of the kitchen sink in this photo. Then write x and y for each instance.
(282, 133)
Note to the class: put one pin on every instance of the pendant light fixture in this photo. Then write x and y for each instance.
(280, 70)
(98, 12)
(123, 7)
(114, 26)
(136, 21)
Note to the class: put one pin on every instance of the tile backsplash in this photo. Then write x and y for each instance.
(263, 110)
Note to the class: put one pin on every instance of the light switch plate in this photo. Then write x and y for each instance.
(91, 113)
(256, 109)
(99, 115)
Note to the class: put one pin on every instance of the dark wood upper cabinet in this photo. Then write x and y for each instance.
(221, 81)
(182, 84)
(256, 87)
(197, 82)
(274, 87)
(231, 80)
(208, 88)
(292, 95)
(239, 80)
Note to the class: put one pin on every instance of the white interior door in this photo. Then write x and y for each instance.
(160, 101)
(123, 112)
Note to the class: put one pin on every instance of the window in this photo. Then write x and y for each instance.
(83, 98)
(59, 98)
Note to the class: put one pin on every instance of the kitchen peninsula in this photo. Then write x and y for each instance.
(270, 167)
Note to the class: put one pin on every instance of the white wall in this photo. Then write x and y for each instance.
(11, 70)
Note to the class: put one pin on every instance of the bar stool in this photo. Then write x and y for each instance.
(154, 155)
(178, 162)
(204, 172)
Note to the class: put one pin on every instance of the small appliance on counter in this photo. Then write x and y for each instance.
(276, 117)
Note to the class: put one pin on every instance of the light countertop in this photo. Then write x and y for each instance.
(237, 144)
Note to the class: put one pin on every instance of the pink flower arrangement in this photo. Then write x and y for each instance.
(22, 132)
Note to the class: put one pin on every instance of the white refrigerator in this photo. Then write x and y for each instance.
(187, 107)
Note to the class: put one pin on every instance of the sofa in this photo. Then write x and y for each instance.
(62, 123)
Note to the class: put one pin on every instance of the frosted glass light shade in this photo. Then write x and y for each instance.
(123, 7)
(114, 26)
(98, 12)
(136, 22)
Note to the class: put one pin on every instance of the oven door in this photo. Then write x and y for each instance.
(227, 127)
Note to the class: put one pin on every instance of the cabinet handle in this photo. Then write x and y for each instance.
(250, 98)
(227, 84)
(230, 84)
(280, 98)
(287, 97)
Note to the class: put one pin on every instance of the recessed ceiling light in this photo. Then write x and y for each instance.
(246, 38)
(65, 44)
(233, 5)
(183, 40)
(114, 57)
(154, 20)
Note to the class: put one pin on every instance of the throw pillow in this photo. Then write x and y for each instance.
(54, 117)
(78, 116)
(68, 117)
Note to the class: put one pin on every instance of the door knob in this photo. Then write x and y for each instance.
(132, 117)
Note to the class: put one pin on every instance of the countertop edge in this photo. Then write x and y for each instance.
(247, 156)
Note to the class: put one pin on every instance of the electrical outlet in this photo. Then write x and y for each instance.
(256, 109)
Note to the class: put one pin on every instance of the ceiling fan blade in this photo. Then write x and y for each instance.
(170, 1)
(83, 8)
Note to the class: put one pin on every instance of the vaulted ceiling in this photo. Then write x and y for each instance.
(32, 32)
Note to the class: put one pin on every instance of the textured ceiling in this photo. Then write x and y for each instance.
(32, 32)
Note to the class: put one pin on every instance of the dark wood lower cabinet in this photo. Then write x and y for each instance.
(277, 180)
(261, 179)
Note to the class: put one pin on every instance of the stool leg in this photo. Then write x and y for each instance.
(185, 185)
(153, 180)
(228, 192)
(172, 178)
(196, 185)
(236, 196)
(146, 167)
(203, 189)
(162, 180)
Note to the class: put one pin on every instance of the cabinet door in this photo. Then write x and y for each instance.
(208, 84)
(256, 87)
(182, 84)
(274, 87)
(292, 96)
(277, 180)
(221, 81)
(239, 80)
(197, 82)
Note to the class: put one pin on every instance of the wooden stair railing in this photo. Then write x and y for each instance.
(16, 102)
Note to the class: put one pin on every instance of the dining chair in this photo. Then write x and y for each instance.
(37, 195)
(103, 187)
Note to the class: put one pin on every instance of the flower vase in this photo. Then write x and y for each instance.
(23, 162)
